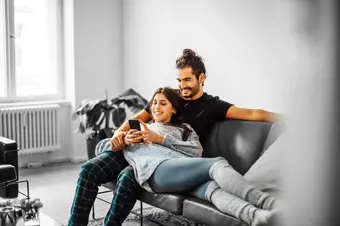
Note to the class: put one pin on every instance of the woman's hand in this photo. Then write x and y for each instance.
(149, 136)
(132, 137)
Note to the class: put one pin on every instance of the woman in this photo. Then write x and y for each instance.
(168, 160)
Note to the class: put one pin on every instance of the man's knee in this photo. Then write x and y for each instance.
(87, 169)
(107, 161)
(127, 172)
(128, 176)
(94, 165)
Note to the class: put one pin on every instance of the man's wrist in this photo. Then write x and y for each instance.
(123, 138)
(117, 132)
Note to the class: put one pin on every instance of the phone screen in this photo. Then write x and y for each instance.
(134, 124)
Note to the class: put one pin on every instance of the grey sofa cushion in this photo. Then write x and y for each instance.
(240, 142)
(169, 202)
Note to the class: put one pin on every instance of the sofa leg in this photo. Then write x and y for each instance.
(141, 213)
(93, 214)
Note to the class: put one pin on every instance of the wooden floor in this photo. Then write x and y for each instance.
(55, 186)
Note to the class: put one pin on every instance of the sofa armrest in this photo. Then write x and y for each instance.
(274, 132)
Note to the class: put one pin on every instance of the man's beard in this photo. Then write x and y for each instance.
(194, 91)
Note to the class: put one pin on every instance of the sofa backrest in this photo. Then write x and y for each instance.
(240, 142)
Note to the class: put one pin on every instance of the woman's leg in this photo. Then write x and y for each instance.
(181, 175)
(232, 182)
(184, 174)
(231, 204)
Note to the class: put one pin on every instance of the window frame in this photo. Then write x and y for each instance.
(9, 41)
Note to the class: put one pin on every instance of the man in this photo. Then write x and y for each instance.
(199, 109)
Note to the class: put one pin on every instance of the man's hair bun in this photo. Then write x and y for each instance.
(189, 53)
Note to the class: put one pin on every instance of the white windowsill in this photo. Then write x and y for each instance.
(18, 104)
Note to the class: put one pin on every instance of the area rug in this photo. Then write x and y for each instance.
(164, 217)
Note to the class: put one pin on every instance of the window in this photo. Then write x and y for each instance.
(3, 81)
(30, 65)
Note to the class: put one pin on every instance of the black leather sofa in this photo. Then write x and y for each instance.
(241, 143)
(9, 170)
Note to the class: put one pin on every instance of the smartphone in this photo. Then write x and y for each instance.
(134, 124)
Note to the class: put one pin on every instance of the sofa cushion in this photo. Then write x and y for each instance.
(204, 212)
(7, 174)
(170, 202)
(240, 142)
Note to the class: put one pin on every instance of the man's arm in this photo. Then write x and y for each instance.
(252, 114)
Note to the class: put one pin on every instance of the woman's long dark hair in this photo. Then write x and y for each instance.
(173, 96)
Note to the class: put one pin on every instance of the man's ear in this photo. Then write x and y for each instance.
(201, 78)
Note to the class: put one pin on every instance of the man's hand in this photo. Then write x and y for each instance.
(117, 141)
(132, 137)
(149, 136)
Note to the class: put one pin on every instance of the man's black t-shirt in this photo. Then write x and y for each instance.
(201, 113)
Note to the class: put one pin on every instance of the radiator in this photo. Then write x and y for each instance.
(35, 128)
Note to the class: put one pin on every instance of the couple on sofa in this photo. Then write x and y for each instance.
(212, 179)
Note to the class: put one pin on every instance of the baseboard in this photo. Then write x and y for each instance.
(53, 161)
(79, 159)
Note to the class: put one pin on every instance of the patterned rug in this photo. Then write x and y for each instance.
(159, 215)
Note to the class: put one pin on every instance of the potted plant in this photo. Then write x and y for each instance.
(11, 212)
(100, 118)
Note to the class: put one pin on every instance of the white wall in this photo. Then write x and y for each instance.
(93, 56)
(122, 44)
(246, 46)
